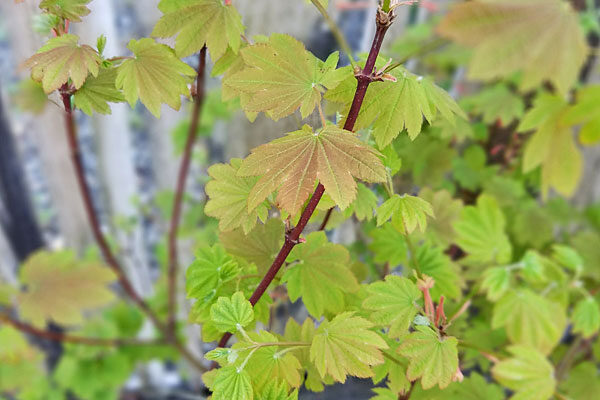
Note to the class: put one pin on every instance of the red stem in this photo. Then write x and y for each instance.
(180, 191)
(365, 77)
(326, 219)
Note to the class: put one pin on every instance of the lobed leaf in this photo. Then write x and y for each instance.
(406, 213)
(211, 268)
(232, 383)
(71, 10)
(586, 317)
(97, 92)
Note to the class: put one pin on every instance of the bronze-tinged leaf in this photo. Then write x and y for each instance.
(293, 164)
(61, 59)
(540, 38)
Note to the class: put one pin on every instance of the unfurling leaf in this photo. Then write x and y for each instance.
(406, 212)
(293, 164)
(552, 146)
(541, 38)
(61, 59)
(530, 320)
(228, 198)
(432, 358)
(393, 302)
(196, 22)
(281, 76)
(231, 314)
(59, 288)
(72, 10)
(586, 317)
(321, 276)
(480, 232)
(528, 374)
(97, 92)
(346, 346)
(232, 383)
(154, 76)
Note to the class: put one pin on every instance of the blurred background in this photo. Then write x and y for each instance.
(131, 158)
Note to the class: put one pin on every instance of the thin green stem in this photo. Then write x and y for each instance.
(339, 36)
(386, 5)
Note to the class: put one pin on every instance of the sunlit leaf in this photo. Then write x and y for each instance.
(97, 92)
(585, 112)
(388, 245)
(232, 383)
(583, 382)
(229, 314)
(72, 10)
(406, 213)
(586, 317)
(211, 268)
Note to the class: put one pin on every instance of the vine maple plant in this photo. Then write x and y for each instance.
(468, 275)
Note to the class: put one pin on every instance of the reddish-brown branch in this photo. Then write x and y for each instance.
(364, 77)
(326, 219)
(105, 249)
(180, 190)
(62, 337)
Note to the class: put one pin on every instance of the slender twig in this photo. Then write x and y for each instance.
(63, 337)
(567, 361)
(339, 35)
(326, 219)
(364, 77)
(100, 238)
(199, 94)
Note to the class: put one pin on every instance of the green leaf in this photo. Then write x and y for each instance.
(211, 268)
(480, 233)
(281, 76)
(231, 314)
(260, 246)
(321, 276)
(277, 390)
(552, 145)
(232, 383)
(97, 92)
(586, 317)
(388, 245)
(72, 10)
(407, 212)
(394, 302)
(542, 39)
(305, 333)
(364, 204)
(19, 361)
(292, 165)
(154, 76)
(228, 198)
(30, 96)
(384, 394)
(585, 112)
(196, 22)
(394, 369)
(60, 288)
(446, 210)
(475, 387)
(431, 261)
(346, 346)
(395, 106)
(567, 257)
(471, 170)
(61, 59)
(527, 373)
(496, 103)
(432, 358)
(529, 319)
(496, 282)
(583, 382)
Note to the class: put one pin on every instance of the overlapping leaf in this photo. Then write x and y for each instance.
(541, 38)
(154, 75)
(211, 268)
(281, 76)
(446, 210)
(97, 92)
(346, 346)
(586, 317)
(496, 103)
(388, 245)
(232, 383)
(394, 106)
(228, 314)
(583, 382)
(527, 373)
(196, 22)
(293, 164)
(552, 145)
(321, 276)
(393, 302)
(305, 333)
(228, 198)
(72, 10)
(59, 288)
(585, 112)
(480, 232)
(406, 212)
(541, 329)
(61, 59)
(431, 261)
(277, 390)
(432, 358)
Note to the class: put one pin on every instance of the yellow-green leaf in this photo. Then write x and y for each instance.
(281, 76)
(586, 317)
(394, 302)
(30, 96)
(228, 198)
(277, 390)
(72, 10)
(232, 383)
(321, 276)
(60, 288)
(231, 314)
(540, 330)
(293, 164)
(346, 346)
(432, 358)
(61, 59)
(528, 373)
(154, 75)
(586, 112)
(540, 38)
(97, 92)
(406, 212)
(211, 268)
(196, 22)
